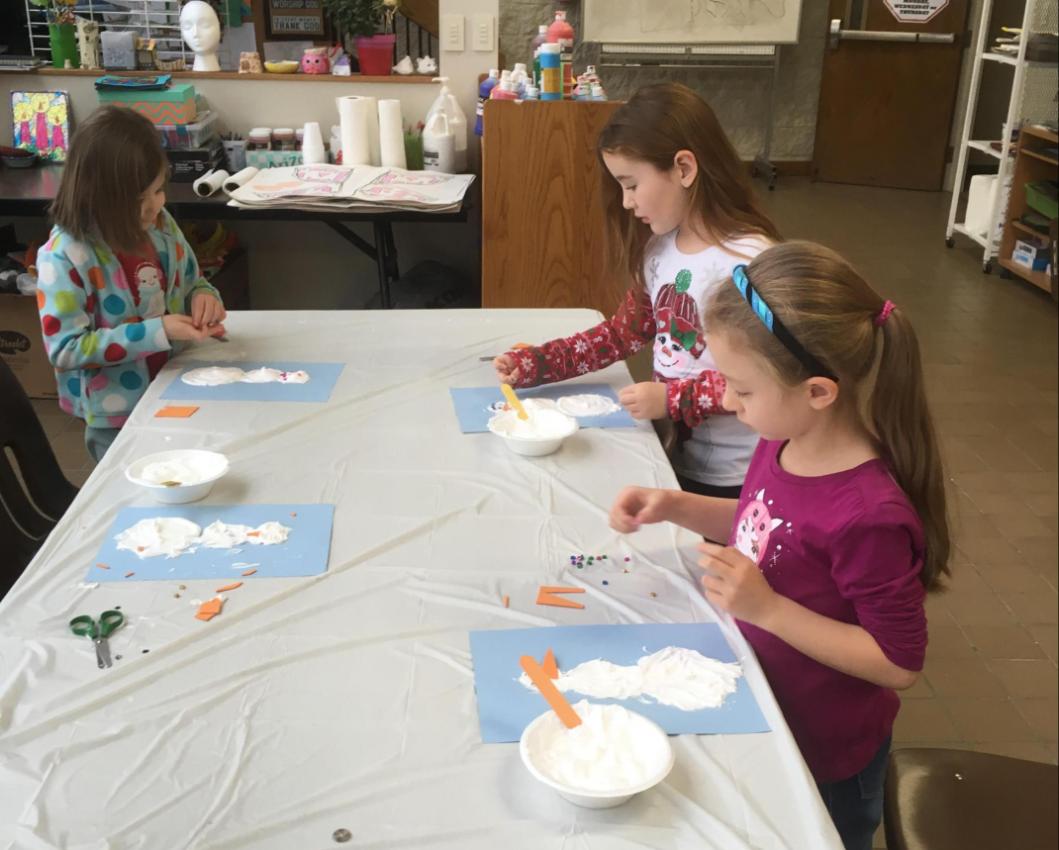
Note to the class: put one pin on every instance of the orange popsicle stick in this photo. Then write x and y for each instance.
(547, 588)
(247, 573)
(549, 665)
(231, 586)
(176, 411)
(552, 694)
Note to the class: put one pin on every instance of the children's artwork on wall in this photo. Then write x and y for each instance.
(41, 122)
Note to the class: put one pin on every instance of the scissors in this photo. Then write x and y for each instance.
(109, 621)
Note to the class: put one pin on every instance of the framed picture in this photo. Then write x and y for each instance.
(40, 122)
(296, 19)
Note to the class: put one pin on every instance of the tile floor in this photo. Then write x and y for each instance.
(990, 353)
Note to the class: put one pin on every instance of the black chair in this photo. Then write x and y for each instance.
(27, 513)
(939, 799)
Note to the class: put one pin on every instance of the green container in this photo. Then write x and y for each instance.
(63, 41)
(413, 151)
(1041, 196)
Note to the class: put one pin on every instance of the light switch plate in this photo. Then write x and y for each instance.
(452, 33)
(482, 32)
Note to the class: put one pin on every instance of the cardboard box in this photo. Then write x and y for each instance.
(173, 105)
(22, 345)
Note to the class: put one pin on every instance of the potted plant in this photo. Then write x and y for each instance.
(62, 33)
(369, 23)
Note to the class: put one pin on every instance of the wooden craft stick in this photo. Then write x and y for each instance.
(249, 572)
(547, 588)
(552, 694)
(231, 586)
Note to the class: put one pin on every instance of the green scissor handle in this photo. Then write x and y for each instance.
(109, 621)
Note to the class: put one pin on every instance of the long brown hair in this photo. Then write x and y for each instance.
(835, 315)
(115, 155)
(657, 122)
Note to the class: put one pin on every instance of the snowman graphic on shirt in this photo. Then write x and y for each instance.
(679, 341)
(152, 294)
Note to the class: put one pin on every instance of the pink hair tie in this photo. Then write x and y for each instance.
(885, 312)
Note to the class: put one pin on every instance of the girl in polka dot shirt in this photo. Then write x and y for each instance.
(118, 284)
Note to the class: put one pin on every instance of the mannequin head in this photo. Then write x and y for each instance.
(202, 32)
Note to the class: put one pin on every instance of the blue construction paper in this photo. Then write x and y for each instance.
(505, 706)
(303, 553)
(472, 405)
(322, 378)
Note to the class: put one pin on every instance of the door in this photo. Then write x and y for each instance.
(891, 68)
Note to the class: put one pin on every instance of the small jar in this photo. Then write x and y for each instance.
(299, 138)
(260, 139)
(283, 139)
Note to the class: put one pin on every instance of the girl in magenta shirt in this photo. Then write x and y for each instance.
(841, 526)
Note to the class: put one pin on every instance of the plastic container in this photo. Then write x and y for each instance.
(560, 32)
(283, 139)
(484, 91)
(206, 469)
(439, 144)
(551, 72)
(259, 139)
(457, 123)
(532, 92)
(520, 76)
(185, 136)
(1042, 197)
(596, 799)
(554, 426)
(597, 92)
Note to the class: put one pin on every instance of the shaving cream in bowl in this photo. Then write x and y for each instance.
(541, 434)
(610, 757)
(178, 476)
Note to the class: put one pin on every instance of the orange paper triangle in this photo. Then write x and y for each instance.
(549, 665)
(547, 596)
(176, 411)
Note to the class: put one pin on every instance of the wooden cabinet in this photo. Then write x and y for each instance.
(1034, 160)
(542, 219)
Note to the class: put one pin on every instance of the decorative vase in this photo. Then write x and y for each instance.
(63, 41)
(376, 54)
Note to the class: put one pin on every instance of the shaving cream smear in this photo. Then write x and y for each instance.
(213, 376)
(673, 676)
(173, 536)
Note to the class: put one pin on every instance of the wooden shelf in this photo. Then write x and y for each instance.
(1038, 279)
(1051, 161)
(1040, 133)
(395, 79)
(1029, 231)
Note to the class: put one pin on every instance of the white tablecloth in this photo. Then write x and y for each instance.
(346, 700)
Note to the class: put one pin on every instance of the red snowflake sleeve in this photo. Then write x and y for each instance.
(620, 336)
(693, 399)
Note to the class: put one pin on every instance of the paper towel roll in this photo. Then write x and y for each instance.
(313, 152)
(356, 117)
(240, 178)
(209, 183)
(391, 134)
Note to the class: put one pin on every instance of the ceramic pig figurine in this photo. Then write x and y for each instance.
(88, 43)
(315, 61)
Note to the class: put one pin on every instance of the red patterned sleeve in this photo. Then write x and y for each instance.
(625, 333)
(693, 399)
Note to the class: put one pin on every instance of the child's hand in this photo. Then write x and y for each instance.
(636, 506)
(182, 328)
(506, 369)
(206, 310)
(734, 584)
(646, 400)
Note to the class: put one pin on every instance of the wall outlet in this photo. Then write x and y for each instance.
(482, 32)
(452, 33)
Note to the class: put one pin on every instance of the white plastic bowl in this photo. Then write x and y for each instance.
(211, 466)
(559, 426)
(590, 799)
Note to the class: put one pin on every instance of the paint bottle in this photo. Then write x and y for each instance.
(520, 76)
(505, 90)
(551, 72)
(597, 92)
(540, 38)
(532, 92)
(439, 144)
(483, 95)
(560, 32)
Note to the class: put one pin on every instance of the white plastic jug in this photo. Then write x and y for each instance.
(447, 104)
(439, 144)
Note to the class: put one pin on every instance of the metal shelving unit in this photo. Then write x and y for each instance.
(1031, 99)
